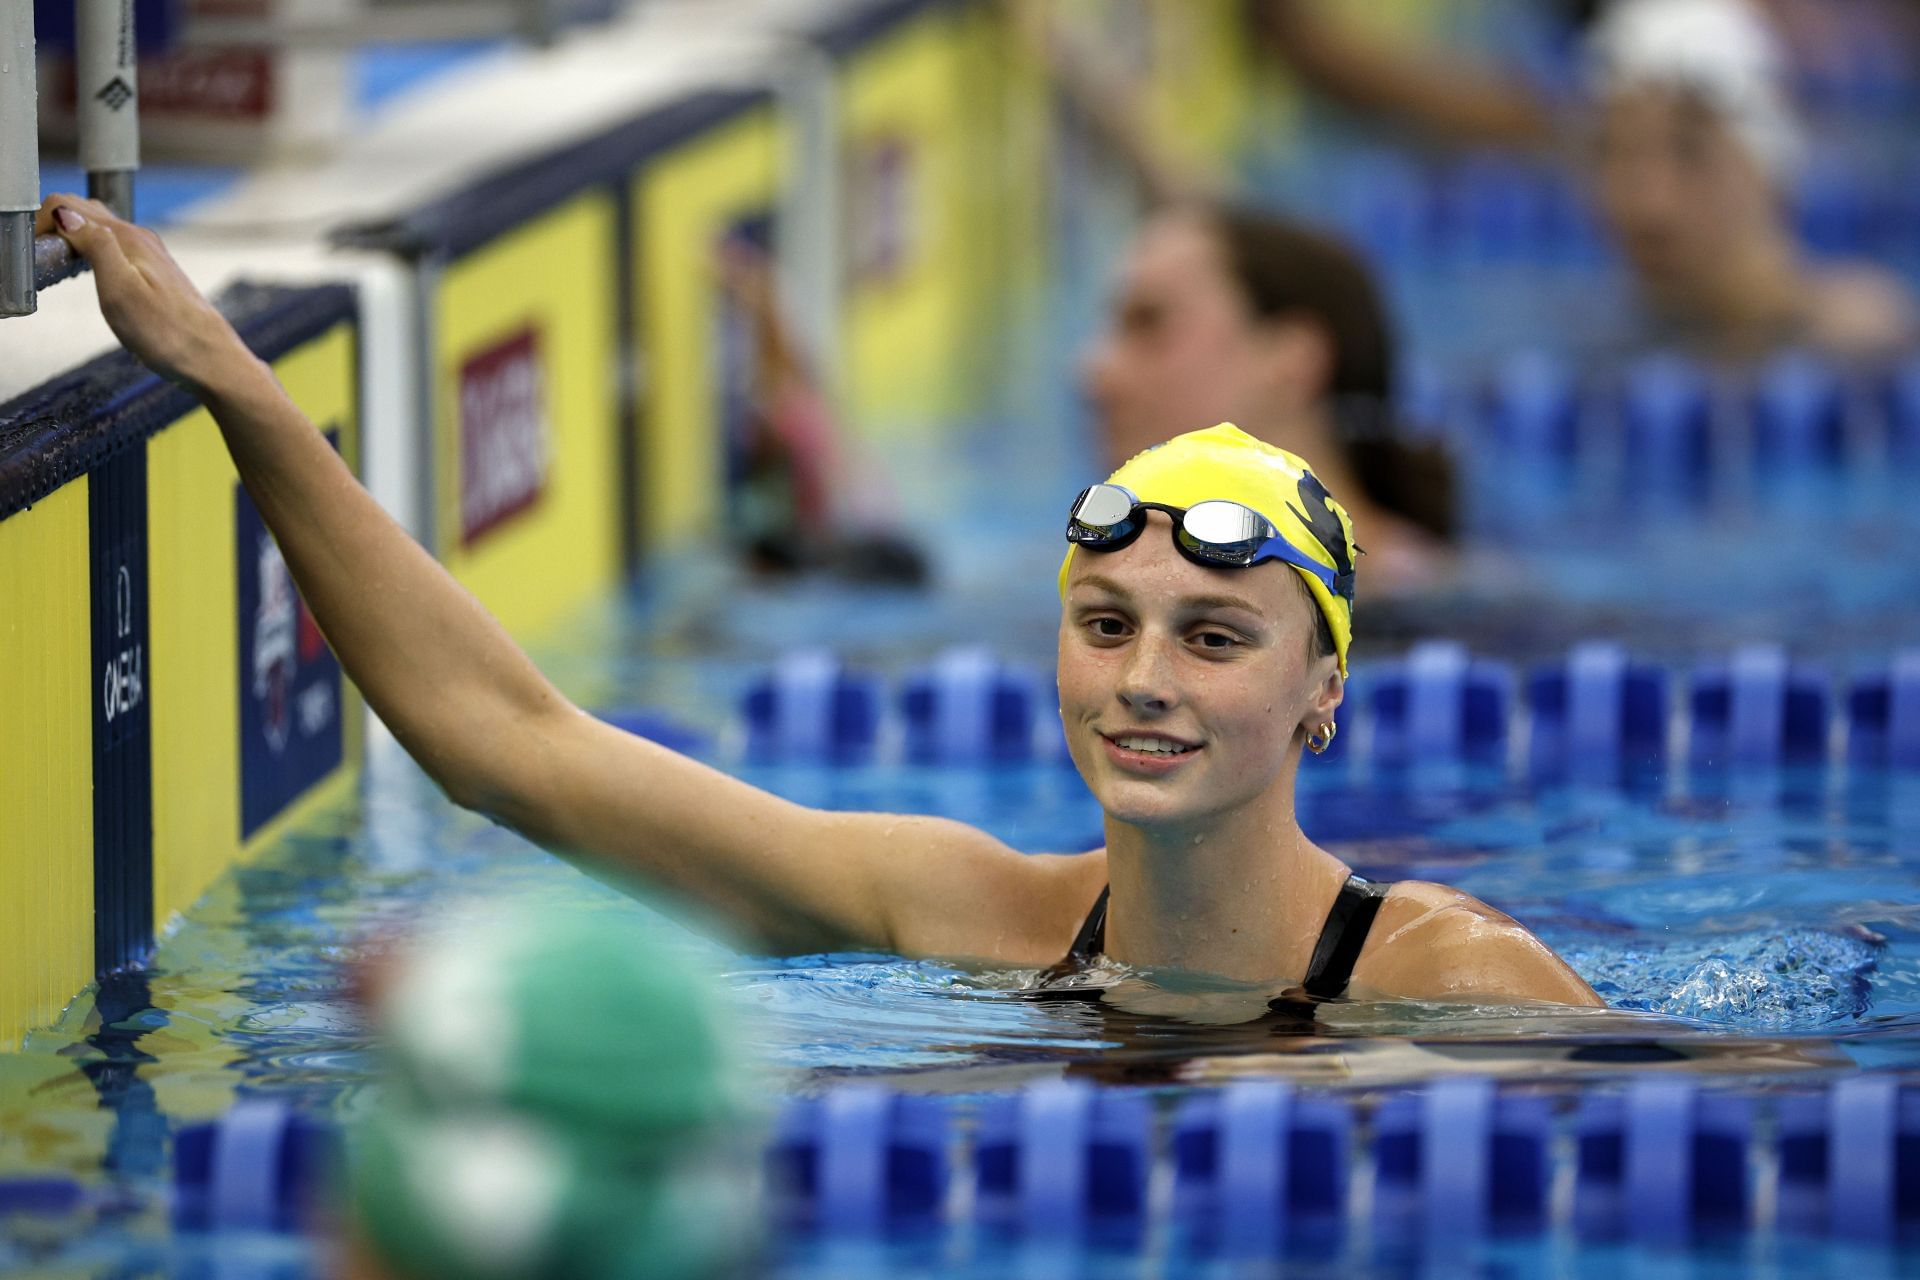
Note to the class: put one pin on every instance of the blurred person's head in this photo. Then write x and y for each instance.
(561, 1096)
(1694, 141)
(1229, 315)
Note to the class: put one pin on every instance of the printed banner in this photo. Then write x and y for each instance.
(290, 693)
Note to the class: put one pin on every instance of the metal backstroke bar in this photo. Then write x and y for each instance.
(19, 159)
(108, 101)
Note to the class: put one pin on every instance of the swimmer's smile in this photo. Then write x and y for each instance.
(1153, 754)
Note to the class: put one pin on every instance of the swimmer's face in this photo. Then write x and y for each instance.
(1215, 661)
(1677, 188)
(1183, 348)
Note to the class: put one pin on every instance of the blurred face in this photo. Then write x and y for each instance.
(1185, 690)
(1677, 188)
(1182, 348)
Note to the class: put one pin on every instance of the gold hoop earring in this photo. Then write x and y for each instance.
(1322, 738)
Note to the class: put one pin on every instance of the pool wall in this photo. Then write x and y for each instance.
(168, 702)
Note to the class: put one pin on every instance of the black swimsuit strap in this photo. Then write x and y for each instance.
(1342, 938)
(1093, 932)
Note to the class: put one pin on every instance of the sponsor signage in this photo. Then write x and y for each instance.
(291, 727)
(121, 690)
(505, 435)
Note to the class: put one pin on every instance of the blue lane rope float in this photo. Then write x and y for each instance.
(812, 709)
(1063, 1157)
(1253, 1169)
(969, 707)
(1439, 703)
(1673, 429)
(1901, 406)
(1595, 715)
(1883, 715)
(1532, 408)
(1799, 413)
(1260, 1168)
(1667, 423)
(1598, 718)
(1759, 709)
(859, 1160)
(260, 1167)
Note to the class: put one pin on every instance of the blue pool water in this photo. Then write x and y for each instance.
(1756, 929)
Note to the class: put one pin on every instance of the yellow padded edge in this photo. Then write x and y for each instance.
(46, 760)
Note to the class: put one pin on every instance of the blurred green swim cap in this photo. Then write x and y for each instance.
(563, 1099)
(1225, 462)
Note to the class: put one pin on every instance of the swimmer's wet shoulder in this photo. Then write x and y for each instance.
(1433, 942)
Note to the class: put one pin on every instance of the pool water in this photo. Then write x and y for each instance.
(1755, 928)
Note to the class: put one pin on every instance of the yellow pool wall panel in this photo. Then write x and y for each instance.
(525, 349)
(683, 201)
(192, 485)
(46, 758)
(903, 130)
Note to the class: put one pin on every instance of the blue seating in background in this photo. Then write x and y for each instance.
(1438, 703)
(811, 709)
(1883, 715)
(1595, 714)
(1758, 710)
(968, 707)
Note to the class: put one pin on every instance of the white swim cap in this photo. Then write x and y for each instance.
(1723, 51)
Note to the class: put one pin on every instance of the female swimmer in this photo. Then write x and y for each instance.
(1208, 600)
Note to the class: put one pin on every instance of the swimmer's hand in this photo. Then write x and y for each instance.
(147, 300)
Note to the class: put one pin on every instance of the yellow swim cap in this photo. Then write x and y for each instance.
(1225, 462)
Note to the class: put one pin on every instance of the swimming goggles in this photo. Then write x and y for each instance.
(1216, 533)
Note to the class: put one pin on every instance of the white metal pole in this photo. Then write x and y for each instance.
(19, 157)
(108, 99)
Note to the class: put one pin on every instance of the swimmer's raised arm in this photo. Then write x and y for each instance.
(498, 737)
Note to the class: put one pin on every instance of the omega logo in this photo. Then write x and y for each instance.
(123, 686)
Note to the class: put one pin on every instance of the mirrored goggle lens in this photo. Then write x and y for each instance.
(1225, 531)
(1103, 511)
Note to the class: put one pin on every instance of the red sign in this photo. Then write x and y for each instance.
(504, 451)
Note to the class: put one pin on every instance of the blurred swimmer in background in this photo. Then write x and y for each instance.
(1230, 315)
(1694, 147)
(1227, 313)
(559, 1096)
(1691, 143)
